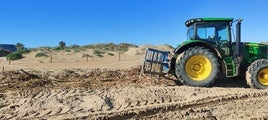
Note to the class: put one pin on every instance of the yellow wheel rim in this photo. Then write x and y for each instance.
(263, 76)
(199, 67)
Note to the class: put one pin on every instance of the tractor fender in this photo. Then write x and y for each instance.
(184, 46)
(194, 43)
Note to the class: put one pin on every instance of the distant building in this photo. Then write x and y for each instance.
(5, 49)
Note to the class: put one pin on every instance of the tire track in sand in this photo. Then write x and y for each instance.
(157, 106)
(117, 103)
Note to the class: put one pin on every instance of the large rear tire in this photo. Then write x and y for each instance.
(198, 67)
(257, 74)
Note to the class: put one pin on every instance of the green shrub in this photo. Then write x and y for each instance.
(14, 56)
(98, 53)
(68, 50)
(17, 55)
(110, 54)
(41, 54)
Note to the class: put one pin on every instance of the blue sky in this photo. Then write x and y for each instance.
(38, 23)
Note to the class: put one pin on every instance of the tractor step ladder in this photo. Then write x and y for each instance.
(230, 68)
(155, 62)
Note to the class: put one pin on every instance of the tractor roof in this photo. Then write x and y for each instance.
(194, 20)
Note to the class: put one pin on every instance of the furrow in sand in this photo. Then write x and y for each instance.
(151, 109)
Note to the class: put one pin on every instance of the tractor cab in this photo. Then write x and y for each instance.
(214, 34)
(214, 31)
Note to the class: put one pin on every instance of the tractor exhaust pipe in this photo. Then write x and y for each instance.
(238, 31)
(238, 47)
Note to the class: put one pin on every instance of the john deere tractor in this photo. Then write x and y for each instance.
(210, 53)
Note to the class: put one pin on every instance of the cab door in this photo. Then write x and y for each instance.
(223, 40)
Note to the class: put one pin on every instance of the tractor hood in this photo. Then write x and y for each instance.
(254, 51)
(255, 44)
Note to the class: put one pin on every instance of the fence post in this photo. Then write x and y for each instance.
(50, 58)
(119, 56)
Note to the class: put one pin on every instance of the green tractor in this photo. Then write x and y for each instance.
(210, 53)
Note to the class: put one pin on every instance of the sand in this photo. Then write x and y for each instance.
(105, 88)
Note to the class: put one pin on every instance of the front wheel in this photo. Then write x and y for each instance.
(198, 66)
(257, 74)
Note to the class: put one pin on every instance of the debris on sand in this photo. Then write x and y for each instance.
(120, 94)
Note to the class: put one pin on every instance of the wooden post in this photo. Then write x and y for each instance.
(119, 56)
(50, 58)
(9, 62)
